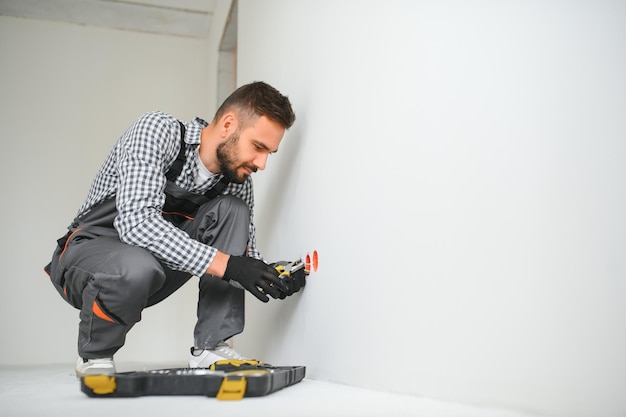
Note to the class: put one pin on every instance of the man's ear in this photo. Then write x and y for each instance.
(228, 124)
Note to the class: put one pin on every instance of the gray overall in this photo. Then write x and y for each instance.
(112, 282)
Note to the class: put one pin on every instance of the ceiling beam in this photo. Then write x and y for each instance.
(114, 14)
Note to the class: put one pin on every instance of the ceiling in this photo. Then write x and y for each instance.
(189, 18)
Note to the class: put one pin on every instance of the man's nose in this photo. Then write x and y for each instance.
(260, 161)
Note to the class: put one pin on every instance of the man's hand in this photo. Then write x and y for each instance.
(255, 276)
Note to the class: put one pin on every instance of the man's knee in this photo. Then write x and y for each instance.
(223, 223)
(229, 206)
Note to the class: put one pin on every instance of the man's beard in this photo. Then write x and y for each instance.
(227, 157)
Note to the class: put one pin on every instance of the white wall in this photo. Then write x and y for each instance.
(67, 92)
(460, 167)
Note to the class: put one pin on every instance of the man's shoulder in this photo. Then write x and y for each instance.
(157, 116)
(156, 125)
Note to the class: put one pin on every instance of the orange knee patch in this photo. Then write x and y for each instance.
(100, 313)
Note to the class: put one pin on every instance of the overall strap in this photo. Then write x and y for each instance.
(178, 164)
(217, 188)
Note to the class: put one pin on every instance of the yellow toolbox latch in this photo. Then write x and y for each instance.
(100, 384)
(232, 388)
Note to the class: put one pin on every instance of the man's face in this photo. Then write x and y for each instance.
(246, 150)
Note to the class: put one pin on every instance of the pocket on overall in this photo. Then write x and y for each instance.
(54, 269)
(181, 204)
(69, 281)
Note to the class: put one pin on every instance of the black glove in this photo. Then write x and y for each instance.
(255, 276)
(294, 282)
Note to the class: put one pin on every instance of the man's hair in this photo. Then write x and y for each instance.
(258, 99)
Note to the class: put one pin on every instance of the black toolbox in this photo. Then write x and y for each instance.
(225, 380)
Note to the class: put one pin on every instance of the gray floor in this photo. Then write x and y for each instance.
(53, 390)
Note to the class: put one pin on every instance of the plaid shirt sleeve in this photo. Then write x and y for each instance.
(143, 155)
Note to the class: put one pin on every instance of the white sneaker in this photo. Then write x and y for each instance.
(104, 366)
(203, 358)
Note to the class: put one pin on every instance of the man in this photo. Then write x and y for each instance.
(172, 201)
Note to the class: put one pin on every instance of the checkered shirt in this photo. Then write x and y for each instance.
(135, 170)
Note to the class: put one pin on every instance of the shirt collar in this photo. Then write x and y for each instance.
(193, 131)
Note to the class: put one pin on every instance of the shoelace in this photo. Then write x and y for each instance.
(228, 352)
